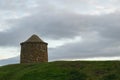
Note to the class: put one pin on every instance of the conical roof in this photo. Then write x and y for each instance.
(34, 38)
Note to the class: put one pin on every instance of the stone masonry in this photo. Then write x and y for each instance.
(34, 50)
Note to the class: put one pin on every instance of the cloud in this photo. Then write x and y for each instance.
(12, 60)
(65, 25)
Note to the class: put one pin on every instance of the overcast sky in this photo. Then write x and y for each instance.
(74, 29)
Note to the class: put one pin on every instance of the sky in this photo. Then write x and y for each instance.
(73, 29)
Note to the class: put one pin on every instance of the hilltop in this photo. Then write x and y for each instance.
(62, 70)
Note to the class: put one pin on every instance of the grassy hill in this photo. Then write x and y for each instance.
(62, 70)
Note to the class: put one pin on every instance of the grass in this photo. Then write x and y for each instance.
(62, 70)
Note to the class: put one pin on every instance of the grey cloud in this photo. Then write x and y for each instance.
(13, 4)
(85, 50)
(13, 60)
(64, 25)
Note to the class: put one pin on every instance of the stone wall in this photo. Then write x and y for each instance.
(34, 52)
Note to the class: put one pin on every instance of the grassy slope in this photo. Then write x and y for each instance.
(62, 70)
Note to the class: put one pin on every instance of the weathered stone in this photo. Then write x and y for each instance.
(34, 50)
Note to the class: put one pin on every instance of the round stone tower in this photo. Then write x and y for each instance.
(34, 50)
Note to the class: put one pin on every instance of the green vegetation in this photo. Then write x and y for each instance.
(62, 70)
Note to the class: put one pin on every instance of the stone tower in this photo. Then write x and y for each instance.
(34, 50)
